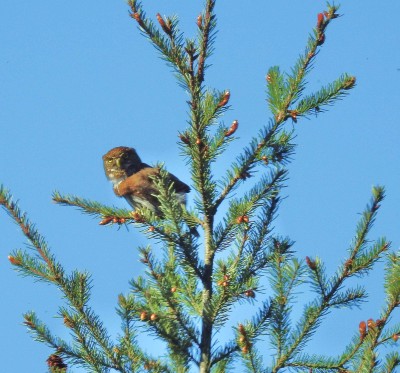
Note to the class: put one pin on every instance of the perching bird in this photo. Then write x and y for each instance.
(133, 179)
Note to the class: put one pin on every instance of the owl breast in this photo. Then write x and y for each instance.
(181, 198)
(138, 202)
(115, 180)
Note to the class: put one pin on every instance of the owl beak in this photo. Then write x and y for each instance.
(118, 161)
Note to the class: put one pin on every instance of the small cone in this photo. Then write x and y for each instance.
(55, 361)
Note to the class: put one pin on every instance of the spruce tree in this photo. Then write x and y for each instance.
(194, 281)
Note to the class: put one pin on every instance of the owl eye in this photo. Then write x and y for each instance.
(109, 160)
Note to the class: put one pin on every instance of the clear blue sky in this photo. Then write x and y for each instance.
(77, 78)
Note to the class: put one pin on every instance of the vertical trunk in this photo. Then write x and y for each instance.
(206, 333)
(207, 325)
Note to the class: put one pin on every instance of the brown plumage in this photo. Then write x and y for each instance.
(133, 179)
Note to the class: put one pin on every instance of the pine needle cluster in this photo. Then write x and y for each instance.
(188, 293)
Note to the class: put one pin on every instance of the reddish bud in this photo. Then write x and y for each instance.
(184, 138)
(320, 20)
(348, 84)
(242, 339)
(348, 263)
(14, 261)
(293, 114)
(56, 362)
(151, 229)
(106, 221)
(224, 99)
(136, 16)
(153, 317)
(173, 289)
(232, 129)
(379, 323)
(321, 39)
(371, 324)
(199, 21)
(122, 221)
(115, 220)
(264, 159)
(395, 337)
(137, 217)
(250, 293)
(311, 264)
(268, 78)
(163, 25)
(28, 322)
(362, 327)
(68, 322)
(245, 218)
(160, 20)
(198, 141)
(143, 316)
(239, 220)
(245, 349)
(242, 330)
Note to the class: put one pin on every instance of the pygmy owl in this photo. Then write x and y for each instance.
(133, 179)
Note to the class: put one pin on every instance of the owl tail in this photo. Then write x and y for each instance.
(191, 221)
(193, 231)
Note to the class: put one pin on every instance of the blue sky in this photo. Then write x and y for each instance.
(77, 79)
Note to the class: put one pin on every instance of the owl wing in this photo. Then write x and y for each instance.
(138, 189)
(179, 186)
(138, 182)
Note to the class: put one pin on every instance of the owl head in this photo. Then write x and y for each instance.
(120, 163)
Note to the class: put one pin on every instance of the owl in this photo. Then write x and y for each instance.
(133, 179)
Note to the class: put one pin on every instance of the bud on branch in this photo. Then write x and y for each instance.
(232, 129)
(163, 25)
(224, 100)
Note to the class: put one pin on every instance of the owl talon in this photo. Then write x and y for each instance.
(193, 231)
